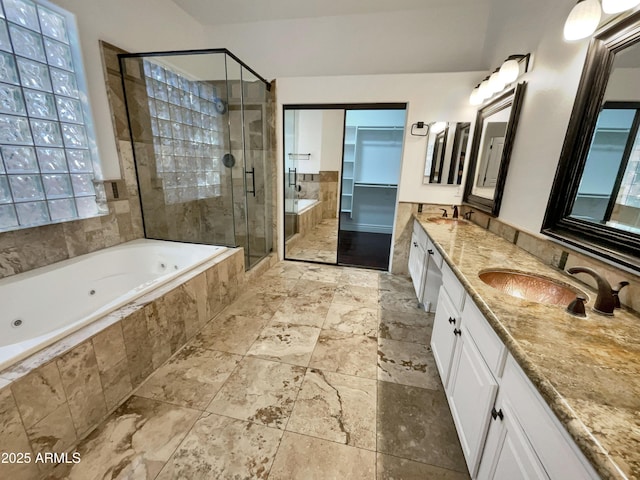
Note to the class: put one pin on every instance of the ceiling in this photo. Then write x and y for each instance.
(342, 37)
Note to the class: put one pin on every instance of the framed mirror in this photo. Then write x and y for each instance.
(595, 198)
(495, 130)
(444, 163)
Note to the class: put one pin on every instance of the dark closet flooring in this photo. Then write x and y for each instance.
(364, 249)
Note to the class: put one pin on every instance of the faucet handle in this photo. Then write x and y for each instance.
(577, 307)
(467, 216)
(616, 291)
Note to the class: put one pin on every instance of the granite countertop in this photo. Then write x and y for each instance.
(587, 369)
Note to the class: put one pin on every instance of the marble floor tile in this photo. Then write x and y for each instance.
(232, 334)
(416, 424)
(336, 407)
(345, 353)
(135, 441)
(360, 278)
(255, 305)
(408, 364)
(406, 326)
(306, 458)
(352, 294)
(320, 273)
(286, 343)
(290, 270)
(396, 283)
(350, 318)
(13, 438)
(399, 301)
(191, 378)
(313, 290)
(259, 391)
(302, 311)
(273, 284)
(223, 448)
(394, 468)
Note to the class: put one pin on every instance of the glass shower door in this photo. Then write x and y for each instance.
(257, 174)
(290, 175)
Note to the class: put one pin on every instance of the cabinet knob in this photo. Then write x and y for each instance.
(452, 320)
(497, 413)
(430, 252)
(457, 331)
(415, 244)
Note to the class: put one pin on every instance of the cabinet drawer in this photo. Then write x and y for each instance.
(452, 285)
(491, 347)
(553, 445)
(433, 253)
(420, 234)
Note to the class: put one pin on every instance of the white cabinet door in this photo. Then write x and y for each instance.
(417, 265)
(507, 453)
(443, 337)
(471, 391)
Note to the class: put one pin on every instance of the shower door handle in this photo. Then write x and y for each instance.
(295, 177)
(253, 180)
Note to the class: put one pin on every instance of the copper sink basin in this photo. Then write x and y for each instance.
(448, 221)
(532, 287)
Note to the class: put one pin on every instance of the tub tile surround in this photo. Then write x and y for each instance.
(264, 418)
(587, 370)
(66, 389)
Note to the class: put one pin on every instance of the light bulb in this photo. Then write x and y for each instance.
(475, 98)
(583, 20)
(495, 82)
(484, 90)
(509, 71)
(438, 127)
(617, 6)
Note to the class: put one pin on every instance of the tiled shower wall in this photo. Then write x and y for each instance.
(549, 252)
(329, 193)
(26, 249)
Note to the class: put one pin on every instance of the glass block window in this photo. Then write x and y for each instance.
(187, 134)
(49, 160)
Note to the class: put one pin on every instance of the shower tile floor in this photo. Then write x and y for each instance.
(316, 372)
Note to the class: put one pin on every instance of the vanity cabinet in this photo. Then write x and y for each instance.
(417, 264)
(424, 268)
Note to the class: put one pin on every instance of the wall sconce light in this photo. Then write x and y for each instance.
(585, 16)
(582, 20)
(617, 6)
(506, 74)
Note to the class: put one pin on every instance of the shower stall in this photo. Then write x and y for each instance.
(201, 128)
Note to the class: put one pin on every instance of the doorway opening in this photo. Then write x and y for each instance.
(341, 173)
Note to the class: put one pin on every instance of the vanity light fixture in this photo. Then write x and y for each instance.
(475, 98)
(495, 82)
(582, 20)
(438, 127)
(617, 6)
(506, 74)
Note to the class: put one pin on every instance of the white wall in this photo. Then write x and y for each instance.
(135, 26)
(332, 140)
(309, 139)
(429, 97)
(548, 101)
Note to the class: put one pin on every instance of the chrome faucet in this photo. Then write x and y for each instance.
(607, 299)
(455, 212)
(444, 213)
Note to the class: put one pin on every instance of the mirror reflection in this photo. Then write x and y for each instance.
(446, 153)
(609, 189)
(493, 137)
